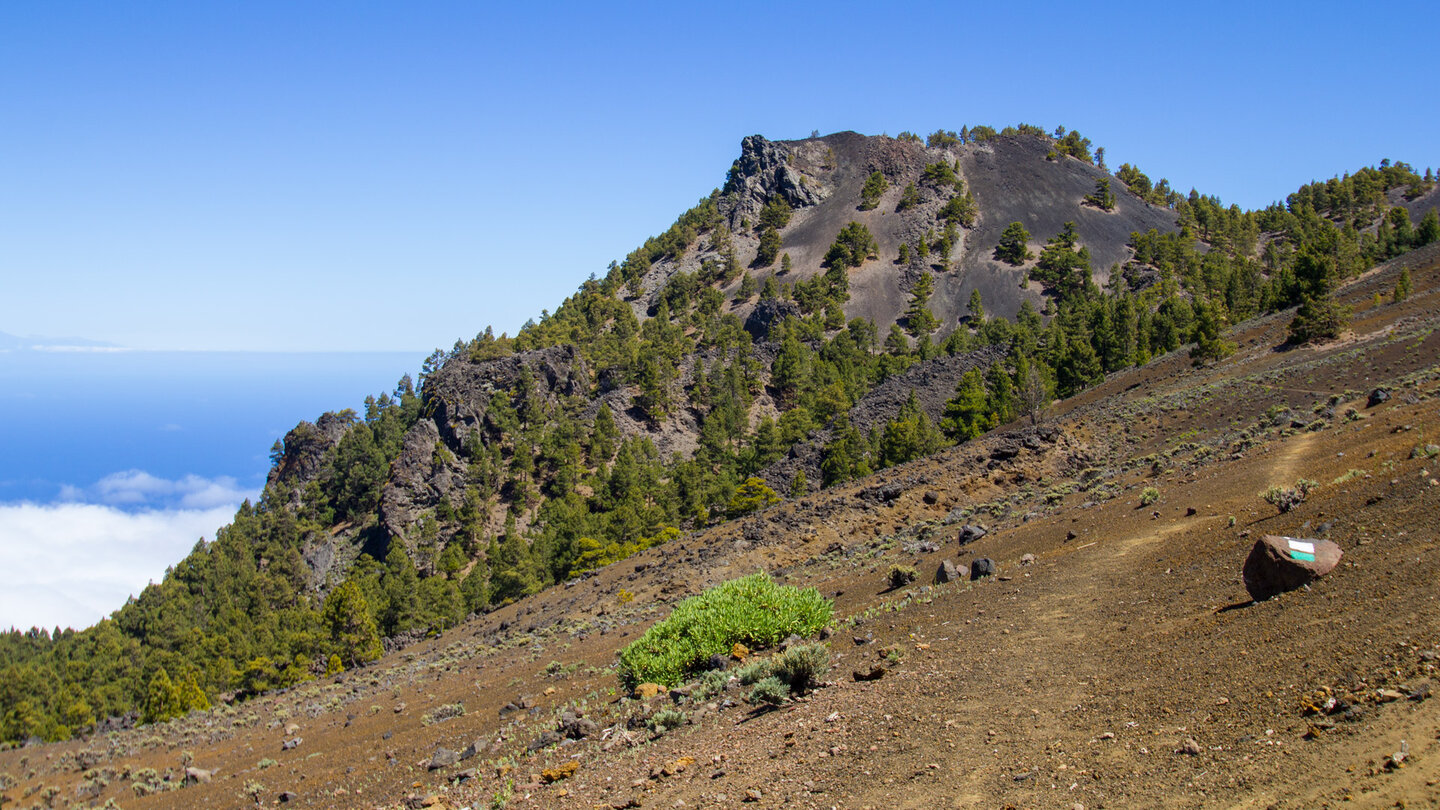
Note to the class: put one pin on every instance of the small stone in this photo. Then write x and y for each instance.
(1189, 747)
(971, 533)
(981, 568)
(875, 673)
(739, 652)
(550, 776)
(198, 776)
(287, 796)
(291, 744)
(752, 795)
(947, 572)
(443, 758)
(1388, 695)
(1027, 559)
(931, 497)
(645, 691)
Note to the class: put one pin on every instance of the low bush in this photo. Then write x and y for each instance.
(752, 610)
(1287, 498)
(901, 575)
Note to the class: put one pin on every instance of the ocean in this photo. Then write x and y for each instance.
(70, 418)
(114, 463)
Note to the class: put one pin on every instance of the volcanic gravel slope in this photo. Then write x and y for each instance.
(1124, 666)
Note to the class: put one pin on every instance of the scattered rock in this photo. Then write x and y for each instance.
(739, 652)
(474, 748)
(1191, 511)
(198, 776)
(931, 497)
(545, 740)
(291, 744)
(287, 796)
(1027, 559)
(981, 568)
(971, 533)
(645, 691)
(1277, 564)
(1388, 695)
(875, 673)
(947, 572)
(1189, 747)
(291, 729)
(442, 758)
(550, 776)
(671, 768)
(577, 727)
(719, 662)
(752, 795)
(1378, 396)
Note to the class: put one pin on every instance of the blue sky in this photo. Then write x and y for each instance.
(362, 177)
(370, 176)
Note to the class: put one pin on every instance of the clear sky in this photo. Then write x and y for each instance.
(375, 176)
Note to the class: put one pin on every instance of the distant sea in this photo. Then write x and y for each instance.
(70, 418)
(114, 463)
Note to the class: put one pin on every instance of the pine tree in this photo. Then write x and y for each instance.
(513, 572)
(1102, 197)
(769, 247)
(976, 308)
(351, 625)
(162, 699)
(966, 415)
(918, 318)
(909, 435)
(400, 586)
(1013, 248)
(873, 189)
(1402, 284)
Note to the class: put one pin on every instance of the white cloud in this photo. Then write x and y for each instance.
(139, 489)
(73, 564)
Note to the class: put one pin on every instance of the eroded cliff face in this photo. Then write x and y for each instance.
(469, 407)
(303, 458)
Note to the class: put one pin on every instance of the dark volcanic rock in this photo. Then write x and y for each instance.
(970, 533)
(303, 457)
(983, 567)
(947, 572)
(1377, 397)
(1278, 564)
(443, 758)
(431, 467)
(764, 170)
(768, 313)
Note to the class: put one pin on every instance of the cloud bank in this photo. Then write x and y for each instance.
(75, 562)
(133, 489)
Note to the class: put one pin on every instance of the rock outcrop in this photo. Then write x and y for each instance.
(1278, 564)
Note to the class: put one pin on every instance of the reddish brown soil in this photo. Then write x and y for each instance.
(1076, 679)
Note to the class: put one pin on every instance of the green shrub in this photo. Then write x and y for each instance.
(901, 575)
(772, 690)
(802, 666)
(752, 610)
(1287, 498)
(1149, 495)
(666, 720)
